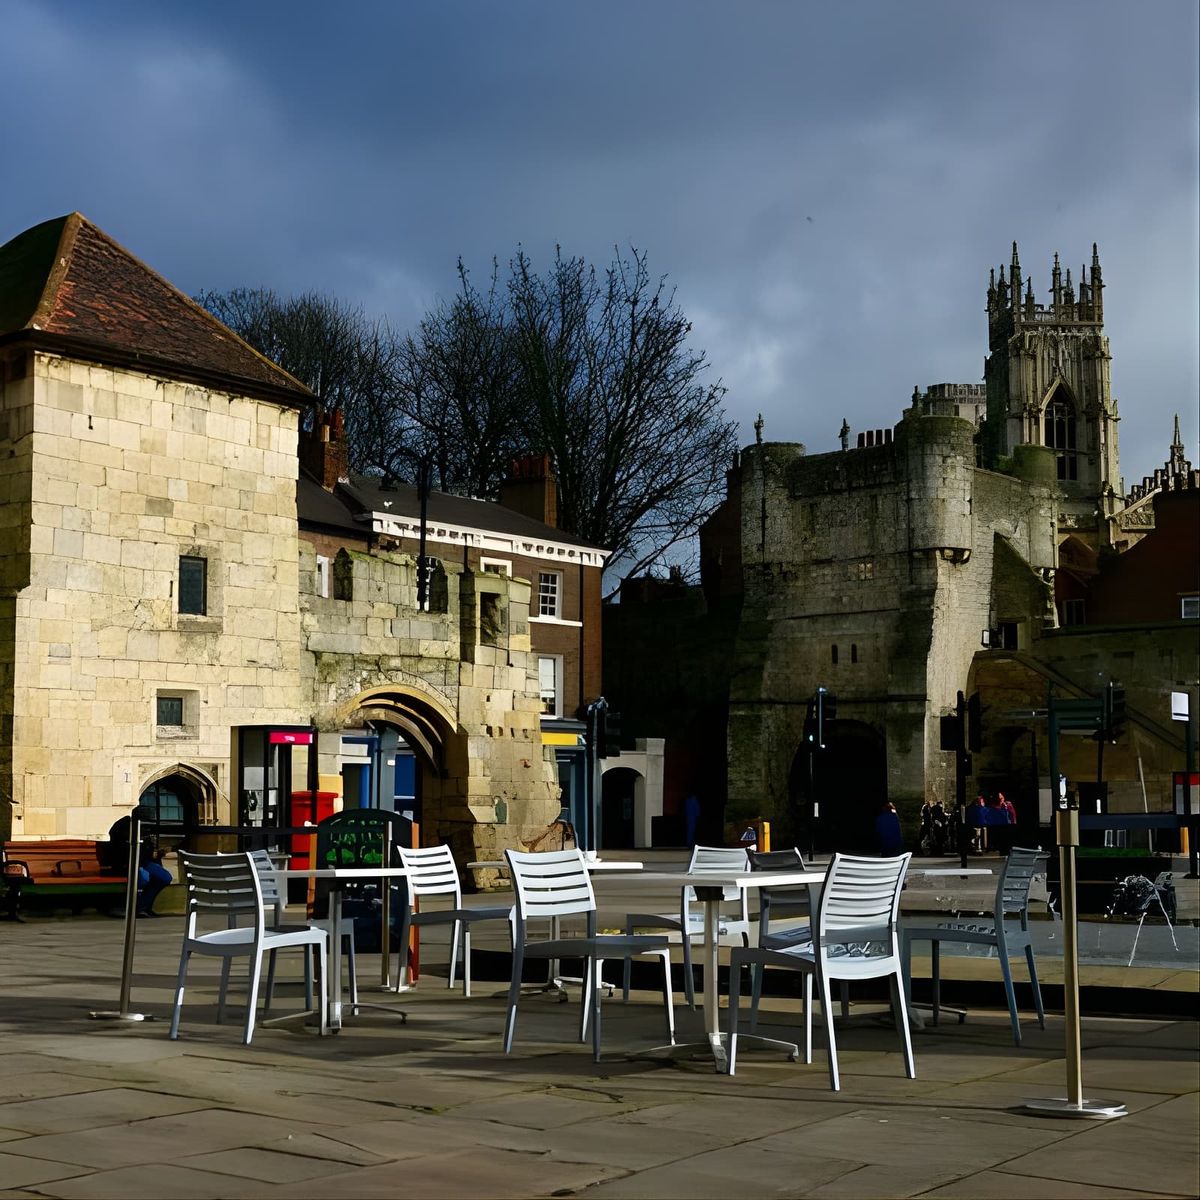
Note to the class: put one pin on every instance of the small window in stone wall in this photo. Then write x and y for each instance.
(853, 652)
(1073, 612)
(1189, 608)
(834, 654)
(193, 585)
(491, 619)
(343, 576)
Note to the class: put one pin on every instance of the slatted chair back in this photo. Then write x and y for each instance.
(553, 883)
(860, 901)
(431, 872)
(225, 884)
(719, 860)
(272, 895)
(785, 902)
(1012, 888)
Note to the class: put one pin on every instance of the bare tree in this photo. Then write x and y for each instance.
(347, 359)
(594, 370)
(615, 395)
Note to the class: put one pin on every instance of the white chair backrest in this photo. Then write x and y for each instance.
(553, 883)
(1016, 878)
(221, 883)
(860, 900)
(431, 872)
(718, 860)
(268, 881)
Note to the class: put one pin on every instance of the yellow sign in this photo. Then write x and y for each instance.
(552, 738)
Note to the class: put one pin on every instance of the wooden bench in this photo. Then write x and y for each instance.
(67, 869)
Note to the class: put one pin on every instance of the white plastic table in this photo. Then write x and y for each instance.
(710, 887)
(336, 876)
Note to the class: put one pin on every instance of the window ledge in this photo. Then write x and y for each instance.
(555, 621)
(176, 733)
(194, 623)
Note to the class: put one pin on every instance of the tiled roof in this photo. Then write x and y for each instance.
(401, 500)
(66, 278)
(317, 507)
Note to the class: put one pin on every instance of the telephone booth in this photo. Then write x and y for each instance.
(268, 761)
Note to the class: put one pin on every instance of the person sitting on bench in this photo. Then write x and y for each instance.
(152, 875)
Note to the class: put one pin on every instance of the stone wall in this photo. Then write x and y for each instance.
(871, 572)
(466, 675)
(125, 472)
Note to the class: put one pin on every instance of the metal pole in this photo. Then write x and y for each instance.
(1068, 838)
(385, 936)
(816, 807)
(1066, 820)
(131, 893)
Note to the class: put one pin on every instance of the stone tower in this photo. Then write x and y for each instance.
(1047, 379)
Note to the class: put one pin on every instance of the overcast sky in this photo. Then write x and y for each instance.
(826, 185)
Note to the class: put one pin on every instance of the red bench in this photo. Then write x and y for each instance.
(69, 869)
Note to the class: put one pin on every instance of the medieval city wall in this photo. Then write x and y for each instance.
(869, 572)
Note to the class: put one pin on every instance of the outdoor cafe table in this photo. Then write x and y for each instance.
(710, 887)
(339, 877)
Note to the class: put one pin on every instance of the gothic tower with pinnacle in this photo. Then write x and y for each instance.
(1047, 380)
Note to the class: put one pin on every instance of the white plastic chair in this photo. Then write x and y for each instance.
(227, 886)
(1012, 897)
(274, 902)
(556, 884)
(689, 921)
(855, 938)
(432, 872)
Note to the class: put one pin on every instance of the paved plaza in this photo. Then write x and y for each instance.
(432, 1108)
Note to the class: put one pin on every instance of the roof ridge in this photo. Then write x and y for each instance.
(63, 253)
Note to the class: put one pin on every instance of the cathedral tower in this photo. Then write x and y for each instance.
(1047, 379)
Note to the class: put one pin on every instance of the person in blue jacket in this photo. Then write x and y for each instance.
(889, 838)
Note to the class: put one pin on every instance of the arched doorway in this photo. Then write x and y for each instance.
(178, 799)
(407, 752)
(849, 782)
(618, 802)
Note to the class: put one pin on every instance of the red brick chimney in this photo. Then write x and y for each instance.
(323, 450)
(531, 488)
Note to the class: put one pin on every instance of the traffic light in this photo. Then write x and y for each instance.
(826, 712)
(612, 734)
(1114, 712)
(974, 723)
(952, 732)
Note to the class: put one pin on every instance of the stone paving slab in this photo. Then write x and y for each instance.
(433, 1108)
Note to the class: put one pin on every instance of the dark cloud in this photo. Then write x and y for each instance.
(827, 186)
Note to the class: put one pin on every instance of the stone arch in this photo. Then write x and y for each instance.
(426, 720)
(849, 782)
(622, 806)
(196, 788)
